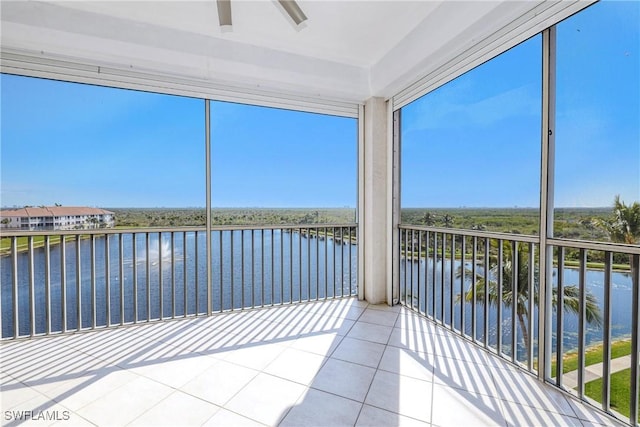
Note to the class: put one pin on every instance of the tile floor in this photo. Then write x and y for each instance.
(336, 363)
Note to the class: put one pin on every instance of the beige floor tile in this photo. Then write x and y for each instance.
(359, 351)
(409, 363)
(524, 389)
(412, 321)
(125, 403)
(248, 326)
(266, 399)
(464, 375)
(114, 346)
(178, 409)
(295, 317)
(254, 356)
(375, 417)
(317, 408)
(17, 394)
(323, 344)
(175, 372)
(315, 324)
(370, 332)
(455, 347)
(296, 365)
(225, 418)
(522, 415)
(344, 308)
(60, 363)
(379, 317)
(76, 394)
(455, 407)
(588, 416)
(385, 307)
(344, 379)
(402, 395)
(411, 340)
(220, 382)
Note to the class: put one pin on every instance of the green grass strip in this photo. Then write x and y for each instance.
(593, 355)
(619, 397)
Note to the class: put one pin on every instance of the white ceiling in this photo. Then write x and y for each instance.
(346, 50)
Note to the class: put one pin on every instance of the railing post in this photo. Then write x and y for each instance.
(531, 302)
(606, 333)
(463, 250)
(63, 281)
(634, 261)
(160, 277)
(514, 294)
(120, 274)
(148, 271)
(32, 290)
(207, 131)
(14, 293)
(134, 266)
(79, 282)
(485, 305)
(47, 282)
(582, 320)
(560, 318)
(515, 289)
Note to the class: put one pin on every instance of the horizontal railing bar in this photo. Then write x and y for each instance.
(596, 246)
(483, 234)
(567, 243)
(24, 233)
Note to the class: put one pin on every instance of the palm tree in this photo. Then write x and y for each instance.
(624, 224)
(624, 227)
(429, 219)
(447, 221)
(571, 293)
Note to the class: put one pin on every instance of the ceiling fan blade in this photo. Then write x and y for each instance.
(294, 11)
(224, 12)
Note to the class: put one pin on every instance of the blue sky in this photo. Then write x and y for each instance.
(85, 145)
(268, 157)
(598, 105)
(476, 140)
(473, 142)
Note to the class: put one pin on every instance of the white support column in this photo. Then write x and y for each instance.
(547, 183)
(376, 199)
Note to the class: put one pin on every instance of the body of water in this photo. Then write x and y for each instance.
(429, 299)
(167, 273)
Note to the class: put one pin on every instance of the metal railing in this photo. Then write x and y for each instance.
(67, 281)
(455, 278)
(485, 287)
(599, 311)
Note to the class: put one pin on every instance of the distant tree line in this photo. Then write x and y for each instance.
(188, 217)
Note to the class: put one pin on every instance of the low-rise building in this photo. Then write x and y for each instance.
(56, 218)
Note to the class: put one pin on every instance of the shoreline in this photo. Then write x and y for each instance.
(38, 241)
(569, 264)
